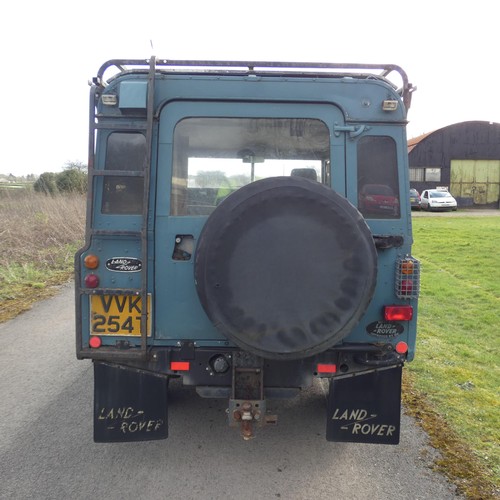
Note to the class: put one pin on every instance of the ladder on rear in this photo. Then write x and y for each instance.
(105, 352)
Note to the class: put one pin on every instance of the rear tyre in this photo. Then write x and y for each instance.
(285, 267)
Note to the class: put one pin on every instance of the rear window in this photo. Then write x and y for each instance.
(213, 157)
(439, 194)
(124, 194)
(378, 183)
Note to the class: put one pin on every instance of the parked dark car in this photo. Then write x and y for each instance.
(414, 199)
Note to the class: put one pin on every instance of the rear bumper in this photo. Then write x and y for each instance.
(207, 368)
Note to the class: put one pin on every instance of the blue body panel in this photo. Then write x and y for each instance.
(351, 108)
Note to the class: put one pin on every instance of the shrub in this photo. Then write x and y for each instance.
(46, 183)
(72, 180)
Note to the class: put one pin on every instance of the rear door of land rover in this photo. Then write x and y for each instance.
(377, 183)
(206, 151)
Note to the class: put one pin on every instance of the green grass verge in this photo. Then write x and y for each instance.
(457, 361)
(23, 284)
(39, 235)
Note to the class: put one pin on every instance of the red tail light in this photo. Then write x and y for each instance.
(398, 313)
(91, 281)
(95, 342)
(179, 366)
(401, 347)
(326, 368)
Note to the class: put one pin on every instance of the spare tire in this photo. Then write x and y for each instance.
(285, 267)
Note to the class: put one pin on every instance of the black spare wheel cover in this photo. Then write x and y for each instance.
(285, 267)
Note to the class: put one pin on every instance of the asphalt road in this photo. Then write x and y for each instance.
(47, 452)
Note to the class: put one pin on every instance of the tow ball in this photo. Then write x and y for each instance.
(247, 415)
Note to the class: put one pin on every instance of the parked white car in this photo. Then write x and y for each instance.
(437, 199)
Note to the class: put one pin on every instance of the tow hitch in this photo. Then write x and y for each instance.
(247, 406)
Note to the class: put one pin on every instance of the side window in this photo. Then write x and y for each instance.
(213, 157)
(122, 194)
(378, 184)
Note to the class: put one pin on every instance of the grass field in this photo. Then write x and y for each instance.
(38, 238)
(456, 367)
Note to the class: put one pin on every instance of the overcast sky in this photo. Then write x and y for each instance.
(50, 49)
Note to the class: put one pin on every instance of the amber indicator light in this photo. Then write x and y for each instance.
(91, 261)
(407, 267)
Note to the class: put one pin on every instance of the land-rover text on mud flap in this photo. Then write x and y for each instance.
(249, 231)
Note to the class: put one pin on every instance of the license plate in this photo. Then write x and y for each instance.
(117, 315)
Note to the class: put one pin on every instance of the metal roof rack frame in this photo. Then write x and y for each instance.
(260, 68)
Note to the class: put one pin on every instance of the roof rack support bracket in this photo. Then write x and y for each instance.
(354, 130)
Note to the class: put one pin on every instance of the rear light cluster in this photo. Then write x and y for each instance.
(407, 278)
(91, 280)
(91, 262)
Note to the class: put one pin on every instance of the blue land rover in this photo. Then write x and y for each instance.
(248, 230)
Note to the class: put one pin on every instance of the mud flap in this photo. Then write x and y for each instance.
(129, 405)
(365, 408)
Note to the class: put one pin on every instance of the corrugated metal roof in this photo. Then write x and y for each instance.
(413, 142)
(470, 123)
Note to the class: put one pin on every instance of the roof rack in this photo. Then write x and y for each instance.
(264, 68)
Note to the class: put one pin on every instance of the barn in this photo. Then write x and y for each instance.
(465, 157)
